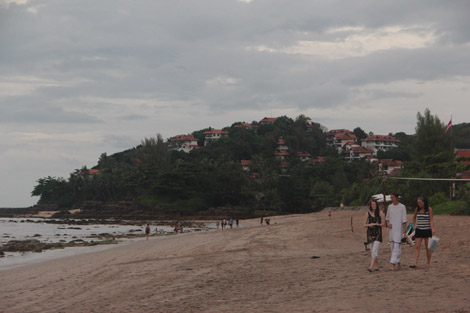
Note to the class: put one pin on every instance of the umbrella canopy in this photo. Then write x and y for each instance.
(380, 198)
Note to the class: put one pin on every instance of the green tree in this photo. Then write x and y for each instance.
(432, 143)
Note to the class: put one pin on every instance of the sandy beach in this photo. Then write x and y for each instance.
(251, 269)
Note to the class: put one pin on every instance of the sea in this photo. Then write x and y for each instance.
(56, 231)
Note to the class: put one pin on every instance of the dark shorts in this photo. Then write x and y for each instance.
(423, 233)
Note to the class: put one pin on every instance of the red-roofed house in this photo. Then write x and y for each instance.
(356, 152)
(391, 167)
(318, 160)
(337, 138)
(215, 134)
(463, 156)
(246, 125)
(184, 143)
(304, 156)
(281, 145)
(90, 173)
(281, 155)
(245, 164)
(268, 120)
(284, 166)
(380, 142)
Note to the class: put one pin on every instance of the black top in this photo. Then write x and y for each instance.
(374, 233)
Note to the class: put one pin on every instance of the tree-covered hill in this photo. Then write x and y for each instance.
(242, 171)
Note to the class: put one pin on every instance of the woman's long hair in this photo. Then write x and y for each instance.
(426, 205)
(377, 208)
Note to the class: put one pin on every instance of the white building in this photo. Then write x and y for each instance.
(184, 143)
(337, 138)
(380, 143)
(214, 134)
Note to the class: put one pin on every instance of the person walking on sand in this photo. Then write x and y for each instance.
(374, 222)
(262, 217)
(396, 222)
(223, 224)
(147, 231)
(424, 221)
(237, 221)
(230, 222)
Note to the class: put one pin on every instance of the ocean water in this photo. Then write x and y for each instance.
(37, 228)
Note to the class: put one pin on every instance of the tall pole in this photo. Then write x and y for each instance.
(383, 190)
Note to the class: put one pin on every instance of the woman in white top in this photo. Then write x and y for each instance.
(423, 219)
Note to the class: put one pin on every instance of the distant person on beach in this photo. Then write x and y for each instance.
(396, 222)
(176, 227)
(267, 220)
(230, 222)
(147, 231)
(423, 219)
(374, 222)
(237, 221)
(223, 224)
(262, 217)
(217, 224)
(329, 213)
(180, 226)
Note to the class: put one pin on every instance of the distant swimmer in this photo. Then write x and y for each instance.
(147, 231)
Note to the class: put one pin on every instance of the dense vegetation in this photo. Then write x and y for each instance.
(212, 176)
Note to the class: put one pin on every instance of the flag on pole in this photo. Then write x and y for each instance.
(449, 125)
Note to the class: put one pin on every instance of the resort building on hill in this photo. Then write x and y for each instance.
(184, 143)
(245, 165)
(246, 125)
(214, 134)
(281, 155)
(309, 124)
(284, 166)
(304, 156)
(380, 143)
(463, 156)
(355, 152)
(390, 167)
(337, 138)
(89, 174)
(268, 120)
(281, 145)
(318, 160)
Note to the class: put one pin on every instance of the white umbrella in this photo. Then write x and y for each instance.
(380, 198)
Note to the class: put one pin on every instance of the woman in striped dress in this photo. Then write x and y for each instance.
(424, 223)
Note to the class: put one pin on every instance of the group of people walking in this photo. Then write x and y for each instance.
(224, 222)
(395, 220)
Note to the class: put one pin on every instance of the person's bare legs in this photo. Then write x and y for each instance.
(417, 248)
(428, 252)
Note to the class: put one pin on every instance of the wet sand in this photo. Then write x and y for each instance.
(251, 269)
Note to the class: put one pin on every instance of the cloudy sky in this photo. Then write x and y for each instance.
(83, 77)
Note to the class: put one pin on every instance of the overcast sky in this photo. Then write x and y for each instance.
(83, 77)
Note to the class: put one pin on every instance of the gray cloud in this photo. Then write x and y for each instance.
(112, 72)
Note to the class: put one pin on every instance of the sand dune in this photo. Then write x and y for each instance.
(251, 269)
